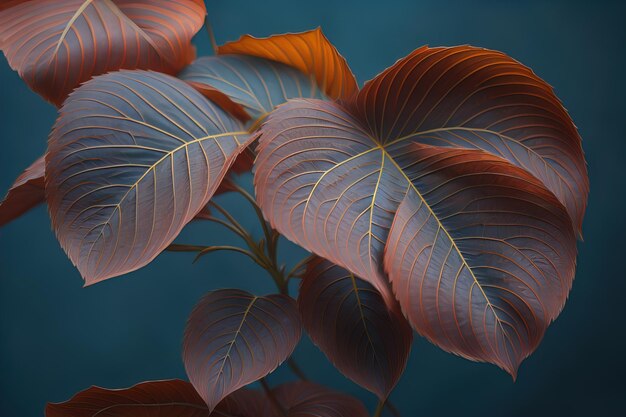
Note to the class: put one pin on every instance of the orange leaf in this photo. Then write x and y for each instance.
(310, 52)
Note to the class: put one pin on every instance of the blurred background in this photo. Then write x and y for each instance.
(58, 338)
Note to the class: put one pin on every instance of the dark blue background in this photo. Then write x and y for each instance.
(58, 338)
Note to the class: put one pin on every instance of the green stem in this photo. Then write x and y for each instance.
(379, 409)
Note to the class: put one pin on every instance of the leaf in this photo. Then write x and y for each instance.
(133, 157)
(306, 399)
(154, 398)
(56, 45)
(252, 85)
(325, 181)
(480, 99)
(310, 52)
(349, 321)
(234, 338)
(493, 261)
(173, 398)
(26, 193)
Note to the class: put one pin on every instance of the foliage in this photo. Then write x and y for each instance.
(444, 196)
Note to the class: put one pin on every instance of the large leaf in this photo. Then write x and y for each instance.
(326, 181)
(479, 99)
(306, 399)
(257, 85)
(26, 193)
(310, 52)
(56, 45)
(349, 321)
(132, 158)
(169, 398)
(234, 338)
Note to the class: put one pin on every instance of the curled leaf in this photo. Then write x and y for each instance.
(310, 52)
(27, 192)
(56, 45)
(133, 156)
(468, 97)
(349, 321)
(234, 338)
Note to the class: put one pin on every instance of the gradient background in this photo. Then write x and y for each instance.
(58, 338)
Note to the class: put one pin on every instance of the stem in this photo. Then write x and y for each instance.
(392, 408)
(210, 249)
(270, 237)
(272, 397)
(209, 29)
(379, 409)
(295, 368)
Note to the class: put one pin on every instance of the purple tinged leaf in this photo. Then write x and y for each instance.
(234, 338)
(133, 156)
(348, 320)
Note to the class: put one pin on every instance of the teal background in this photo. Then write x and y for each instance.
(58, 338)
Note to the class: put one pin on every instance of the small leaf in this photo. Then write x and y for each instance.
(234, 338)
(306, 399)
(254, 84)
(310, 52)
(133, 156)
(167, 398)
(56, 45)
(27, 192)
(349, 321)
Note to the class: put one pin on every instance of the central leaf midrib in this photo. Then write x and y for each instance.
(155, 164)
(441, 226)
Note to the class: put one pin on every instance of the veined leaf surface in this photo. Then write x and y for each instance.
(26, 193)
(306, 399)
(325, 181)
(310, 52)
(133, 156)
(348, 320)
(166, 398)
(479, 99)
(256, 84)
(234, 338)
(56, 45)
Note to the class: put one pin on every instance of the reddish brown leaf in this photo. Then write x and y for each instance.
(26, 193)
(310, 52)
(326, 181)
(173, 398)
(349, 321)
(234, 338)
(479, 99)
(132, 158)
(147, 399)
(56, 45)
(481, 256)
(306, 399)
